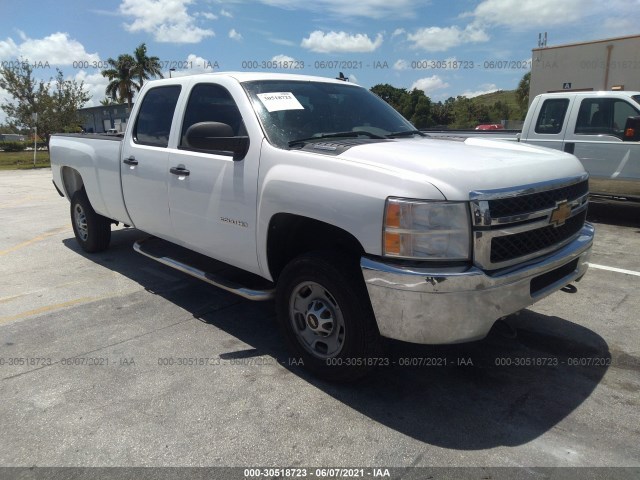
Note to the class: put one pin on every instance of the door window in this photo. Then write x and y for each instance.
(603, 116)
(154, 118)
(551, 117)
(209, 102)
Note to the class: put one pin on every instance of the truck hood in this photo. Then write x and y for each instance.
(457, 168)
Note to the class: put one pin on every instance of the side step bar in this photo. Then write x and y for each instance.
(215, 279)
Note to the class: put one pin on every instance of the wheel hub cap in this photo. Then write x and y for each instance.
(319, 318)
(81, 222)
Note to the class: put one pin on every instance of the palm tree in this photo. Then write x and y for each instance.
(121, 78)
(145, 67)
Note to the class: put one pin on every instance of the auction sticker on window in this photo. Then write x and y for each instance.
(276, 101)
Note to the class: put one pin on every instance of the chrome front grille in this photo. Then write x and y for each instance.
(516, 225)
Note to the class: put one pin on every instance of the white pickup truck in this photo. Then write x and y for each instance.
(317, 193)
(602, 129)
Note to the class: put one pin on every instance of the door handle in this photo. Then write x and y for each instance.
(569, 147)
(131, 160)
(179, 171)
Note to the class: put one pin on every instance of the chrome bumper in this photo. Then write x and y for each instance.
(460, 304)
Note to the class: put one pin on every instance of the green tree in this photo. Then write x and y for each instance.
(417, 108)
(522, 93)
(145, 67)
(468, 114)
(392, 95)
(121, 78)
(442, 113)
(499, 111)
(56, 102)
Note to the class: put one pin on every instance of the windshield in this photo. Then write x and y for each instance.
(292, 111)
(636, 98)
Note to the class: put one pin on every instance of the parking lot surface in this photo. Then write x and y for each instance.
(113, 360)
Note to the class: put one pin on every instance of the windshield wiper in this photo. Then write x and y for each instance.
(406, 133)
(349, 134)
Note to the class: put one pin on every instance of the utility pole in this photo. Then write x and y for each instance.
(34, 116)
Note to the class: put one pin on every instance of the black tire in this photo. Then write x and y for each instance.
(330, 288)
(92, 230)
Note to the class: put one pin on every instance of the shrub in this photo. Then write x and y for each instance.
(12, 146)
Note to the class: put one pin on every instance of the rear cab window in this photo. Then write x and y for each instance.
(552, 115)
(153, 123)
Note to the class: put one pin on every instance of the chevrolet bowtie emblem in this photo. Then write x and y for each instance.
(560, 214)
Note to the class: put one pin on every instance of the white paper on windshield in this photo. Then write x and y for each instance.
(276, 101)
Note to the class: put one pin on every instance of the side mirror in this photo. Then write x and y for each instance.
(216, 137)
(631, 130)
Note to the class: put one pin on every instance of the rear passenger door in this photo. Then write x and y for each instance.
(212, 197)
(144, 163)
(597, 139)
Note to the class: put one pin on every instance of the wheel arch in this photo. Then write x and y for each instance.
(71, 181)
(291, 235)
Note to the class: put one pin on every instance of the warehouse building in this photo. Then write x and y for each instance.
(611, 64)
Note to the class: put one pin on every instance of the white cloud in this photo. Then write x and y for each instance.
(95, 84)
(234, 35)
(401, 64)
(282, 41)
(208, 15)
(398, 31)
(56, 49)
(331, 42)
(282, 58)
(439, 39)
(363, 8)
(541, 13)
(226, 13)
(196, 65)
(429, 84)
(4, 98)
(168, 20)
(483, 89)
(620, 26)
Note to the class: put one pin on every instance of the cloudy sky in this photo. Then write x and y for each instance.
(446, 48)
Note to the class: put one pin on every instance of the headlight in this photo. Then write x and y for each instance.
(426, 230)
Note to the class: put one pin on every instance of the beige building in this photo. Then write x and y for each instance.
(612, 64)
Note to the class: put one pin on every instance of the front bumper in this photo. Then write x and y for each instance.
(461, 304)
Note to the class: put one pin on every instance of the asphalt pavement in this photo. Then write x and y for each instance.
(113, 360)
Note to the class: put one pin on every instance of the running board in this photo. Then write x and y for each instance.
(205, 269)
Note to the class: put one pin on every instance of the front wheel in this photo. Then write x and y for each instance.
(92, 230)
(325, 314)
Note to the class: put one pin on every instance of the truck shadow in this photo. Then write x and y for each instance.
(503, 390)
(619, 213)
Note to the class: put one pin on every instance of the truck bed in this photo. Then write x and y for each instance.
(96, 157)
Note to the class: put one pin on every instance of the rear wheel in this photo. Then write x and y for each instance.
(326, 317)
(92, 230)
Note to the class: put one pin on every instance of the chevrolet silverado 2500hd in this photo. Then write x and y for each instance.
(317, 193)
